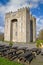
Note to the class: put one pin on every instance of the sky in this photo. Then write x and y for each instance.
(36, 9)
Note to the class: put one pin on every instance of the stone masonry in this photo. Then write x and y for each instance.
(20, 26)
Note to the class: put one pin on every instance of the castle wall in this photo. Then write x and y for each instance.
(7, 29)
(19, 31)
(34, 29)
(27, 26)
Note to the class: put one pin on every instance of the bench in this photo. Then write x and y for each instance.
(27, 56)
(16, 56)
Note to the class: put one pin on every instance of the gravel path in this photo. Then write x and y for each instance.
(38, 60)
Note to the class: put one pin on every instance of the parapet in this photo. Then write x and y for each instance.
(24, 8)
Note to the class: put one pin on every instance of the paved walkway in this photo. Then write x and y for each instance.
(25, 45)
(31, 45)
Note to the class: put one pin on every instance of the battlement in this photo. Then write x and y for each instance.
(21, 29)
(20, 9)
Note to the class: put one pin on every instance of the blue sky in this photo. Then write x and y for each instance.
(36, 9)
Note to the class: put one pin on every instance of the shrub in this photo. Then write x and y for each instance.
(39, 43)
(10, 43)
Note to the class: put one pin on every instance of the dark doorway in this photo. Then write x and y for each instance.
(13, 29)
(31, 31)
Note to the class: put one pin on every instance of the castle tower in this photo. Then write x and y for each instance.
(20, 26)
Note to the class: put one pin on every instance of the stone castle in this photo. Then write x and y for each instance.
(20, 26)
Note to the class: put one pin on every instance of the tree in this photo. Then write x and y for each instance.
(41, 35)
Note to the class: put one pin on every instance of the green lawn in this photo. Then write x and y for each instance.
(37, 61)
(4, 61)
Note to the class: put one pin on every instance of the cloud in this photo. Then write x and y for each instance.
(1, 29)
(39, 24)
(30, 3)
(13, 5)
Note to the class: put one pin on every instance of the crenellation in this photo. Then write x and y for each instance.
(20, 30)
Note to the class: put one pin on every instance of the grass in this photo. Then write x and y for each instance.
(4, 61)
(37, 61)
